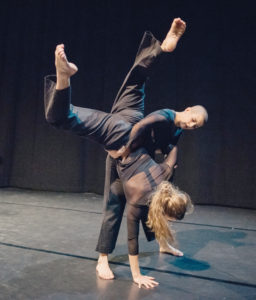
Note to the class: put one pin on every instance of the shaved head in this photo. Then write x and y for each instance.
(200, 110)
(192, 117)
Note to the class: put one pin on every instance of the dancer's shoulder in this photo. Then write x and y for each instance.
(167, 113)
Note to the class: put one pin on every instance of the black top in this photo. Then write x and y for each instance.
(156, 131)
(140, 175)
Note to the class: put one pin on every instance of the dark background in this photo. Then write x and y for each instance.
(214, 65)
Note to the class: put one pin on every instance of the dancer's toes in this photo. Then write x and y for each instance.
(63, 66)
(176, 31)
(104, 271)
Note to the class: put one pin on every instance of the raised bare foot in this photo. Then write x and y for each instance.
(64, 68)
(176, 31)
(103, 269)
(167, 248)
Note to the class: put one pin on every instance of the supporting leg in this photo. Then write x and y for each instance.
(114, 204)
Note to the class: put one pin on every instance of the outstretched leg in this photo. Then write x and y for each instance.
(129, 102)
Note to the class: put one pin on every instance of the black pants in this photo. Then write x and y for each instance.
(128, 108)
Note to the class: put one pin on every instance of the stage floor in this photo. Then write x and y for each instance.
(47, 251)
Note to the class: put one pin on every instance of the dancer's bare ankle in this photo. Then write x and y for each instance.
(103, 269)
(103, 257)
(63, 81)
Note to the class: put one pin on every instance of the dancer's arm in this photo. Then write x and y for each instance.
(141, 280)
(134, 215)
(171, 158)
(142, 127)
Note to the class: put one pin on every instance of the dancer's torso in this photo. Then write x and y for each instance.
(140, 175)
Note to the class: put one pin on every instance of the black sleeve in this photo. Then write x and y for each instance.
(134, 215)
(141, 128)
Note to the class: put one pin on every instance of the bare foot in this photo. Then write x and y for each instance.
(177, 29)
(64, 68)
(167, 248)
(103, 269)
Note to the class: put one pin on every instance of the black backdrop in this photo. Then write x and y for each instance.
(214, 65)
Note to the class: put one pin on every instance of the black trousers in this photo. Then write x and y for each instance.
(128, 108)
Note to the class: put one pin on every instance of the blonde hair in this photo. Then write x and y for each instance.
(167, 203)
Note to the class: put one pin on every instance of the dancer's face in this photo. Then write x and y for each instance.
(190, 119)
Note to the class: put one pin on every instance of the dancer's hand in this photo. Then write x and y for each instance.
(146, 281)
(122, 152)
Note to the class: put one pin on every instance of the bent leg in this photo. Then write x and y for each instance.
(85, 122)
(107, 129)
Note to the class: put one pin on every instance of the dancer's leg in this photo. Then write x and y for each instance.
(129, 102)
(114, 204)
(130, 98)
(105, 128)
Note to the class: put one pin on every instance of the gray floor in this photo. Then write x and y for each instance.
(47, 243)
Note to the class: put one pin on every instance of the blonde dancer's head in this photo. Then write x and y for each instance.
(168, 203)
